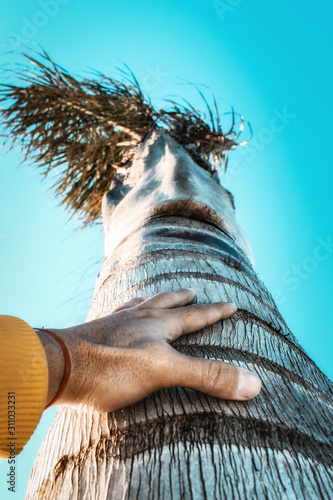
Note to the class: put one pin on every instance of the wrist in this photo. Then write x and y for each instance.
(55, 362)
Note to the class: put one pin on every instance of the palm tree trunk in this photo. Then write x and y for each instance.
(181, 444)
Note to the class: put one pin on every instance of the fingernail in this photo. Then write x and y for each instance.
(233, 305)
(249, 384)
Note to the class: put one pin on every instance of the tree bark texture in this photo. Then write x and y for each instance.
(181, 444)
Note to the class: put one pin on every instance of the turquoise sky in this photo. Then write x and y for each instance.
(271, 61)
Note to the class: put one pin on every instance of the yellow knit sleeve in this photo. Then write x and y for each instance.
(23, 384)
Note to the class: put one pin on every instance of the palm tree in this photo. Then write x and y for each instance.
(170, 224)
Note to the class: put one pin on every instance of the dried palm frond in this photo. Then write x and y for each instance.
(85, 129)
(205, 141)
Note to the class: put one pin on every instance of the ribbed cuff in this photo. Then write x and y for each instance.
(23, 384)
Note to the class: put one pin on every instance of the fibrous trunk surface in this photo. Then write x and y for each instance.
(181, 444)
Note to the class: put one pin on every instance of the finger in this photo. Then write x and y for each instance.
(166, 300)
(130, 303)
(215, 378)
(192, 318)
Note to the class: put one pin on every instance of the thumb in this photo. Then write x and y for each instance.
(215, 378)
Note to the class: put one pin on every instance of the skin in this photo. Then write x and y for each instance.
(120, 359)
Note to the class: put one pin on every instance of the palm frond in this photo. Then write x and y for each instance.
(84, 129)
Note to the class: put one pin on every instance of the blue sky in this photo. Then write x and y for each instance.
(271, 61)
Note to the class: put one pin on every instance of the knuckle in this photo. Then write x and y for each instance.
(182, 314)
(139, 313)
(211, 314)
(151, 352)
(214, 375)
(163, 295)
(220, 379)
(177, 321)
(153, 313)
(138, 300)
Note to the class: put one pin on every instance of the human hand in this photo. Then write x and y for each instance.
(120, 359)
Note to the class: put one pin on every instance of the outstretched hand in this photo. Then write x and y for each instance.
(120, 359)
